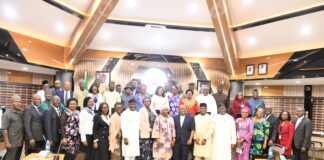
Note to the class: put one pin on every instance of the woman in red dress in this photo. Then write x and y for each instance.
(238, 103)
(285, 132)
(190, 103)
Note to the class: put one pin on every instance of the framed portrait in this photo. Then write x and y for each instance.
(201, 84)
(104, 77)
(250, 70)
(263, 68)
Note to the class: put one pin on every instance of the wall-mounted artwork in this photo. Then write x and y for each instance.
(250, 70)
(263, 68)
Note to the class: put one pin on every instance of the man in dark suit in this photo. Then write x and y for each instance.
(66, 93)
(302, 135)
(52, 123)
(273, 120)
(57, 88)
(185, 128)
(33, 124)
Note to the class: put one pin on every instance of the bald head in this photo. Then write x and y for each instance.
(205, 90)
(67, 86)
(300, 111)
(182, 110)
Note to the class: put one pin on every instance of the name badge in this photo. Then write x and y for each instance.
(280, 136)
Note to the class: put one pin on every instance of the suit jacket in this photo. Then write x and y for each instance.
(56, 91)
(303, 133)
(100, 128)
(33, 124)
(61, 95)
(273, 120)
(52, 125)
(183, 133)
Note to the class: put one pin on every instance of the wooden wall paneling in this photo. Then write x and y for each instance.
(3, 75)
(91, 65)
(7, 89)
(38, 78)
(275, 63)
(293, 90)
(217, 74)
(318, 114)
(318, 91)
(20, 77)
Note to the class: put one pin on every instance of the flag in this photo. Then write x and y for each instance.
(86, 80)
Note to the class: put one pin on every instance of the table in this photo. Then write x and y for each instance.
(34, 156)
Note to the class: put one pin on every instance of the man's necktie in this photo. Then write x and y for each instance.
(66, 97)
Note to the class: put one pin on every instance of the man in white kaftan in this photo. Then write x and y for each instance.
(209, 100)
(224, 138)
(130, 132)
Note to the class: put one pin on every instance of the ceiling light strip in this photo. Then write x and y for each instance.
(279, 17)
(224, 38)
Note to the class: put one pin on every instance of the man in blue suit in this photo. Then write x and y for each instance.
(185, 128)
(66, 93)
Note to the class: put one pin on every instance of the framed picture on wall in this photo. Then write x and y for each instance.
(201, 84)
(263, 68)
(250, 69)
(104, 77)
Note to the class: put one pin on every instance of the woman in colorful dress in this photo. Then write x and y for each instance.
(69, 124)
(147, 119)
(164, 134)
(190, 103)
(244, 127)
(285, 132)
(260, 132)
(238, 103)
(101, 122)
(174, 100)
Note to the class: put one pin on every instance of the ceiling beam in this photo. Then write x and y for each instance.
(224, 34)
(97, 14)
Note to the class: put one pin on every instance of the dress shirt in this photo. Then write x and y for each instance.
(298, 121)
(181, 120)
(86, 123)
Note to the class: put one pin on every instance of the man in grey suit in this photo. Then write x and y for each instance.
(33, 124)
(273, 120)
(302, 135)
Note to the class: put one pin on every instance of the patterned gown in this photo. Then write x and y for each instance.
(164, 129)
(244, 130)
(70, 130)
(261, 129)
(174, 104)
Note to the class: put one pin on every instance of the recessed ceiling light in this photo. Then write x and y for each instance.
(9, 12)
(131, 4)
(252, 40)
(18, 55)
(106, 35)
(24, 68)
(60, 28)
(247, 1)
(257, 83)
(305, 30)
(298, 82)
(25, 49)
(193, 7)
(206, 43)
(295, 60)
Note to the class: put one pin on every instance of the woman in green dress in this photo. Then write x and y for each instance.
(260, 133)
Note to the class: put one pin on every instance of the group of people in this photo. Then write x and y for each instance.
(131, 124)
